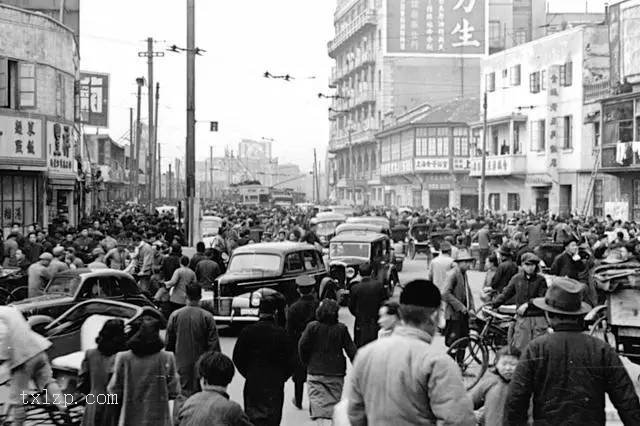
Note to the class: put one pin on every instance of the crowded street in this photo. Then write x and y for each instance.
(329, 213)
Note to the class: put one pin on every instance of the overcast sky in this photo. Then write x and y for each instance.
(243, 39)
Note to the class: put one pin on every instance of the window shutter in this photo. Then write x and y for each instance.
(4, 82)
(27, 86)
(535, 135)
(568, 71)
(560, 141)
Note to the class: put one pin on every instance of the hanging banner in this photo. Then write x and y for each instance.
(94, 99)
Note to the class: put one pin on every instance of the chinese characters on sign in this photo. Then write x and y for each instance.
(495, 166)
(553, 98)
(431, 164)
(396, 167)
(436, 27)
(94, 98)
(20, 137)
(61, 147)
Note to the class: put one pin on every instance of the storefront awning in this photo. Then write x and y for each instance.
(63, 183)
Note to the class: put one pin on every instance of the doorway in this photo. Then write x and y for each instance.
(469, 202)
(542, 200)
(417, 198)
(565, 200)
(438, 199)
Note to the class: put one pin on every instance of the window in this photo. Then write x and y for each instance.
(476, 140)
(27, 96)
(385, 151)
(515, 75)
(538, 136)
(596, 133)
(395, 147)
(460, 142)
(567, 133)
(407, 144)
(421, 142)
(494, 202)
(60, 95)
(8, 83)
(520, 37)
(293, 263)
(490, 82)
(101, 151)
(534, 82)
(618, 123)
(513, 202)
(598, 198)
(543, 80)
(566, 74)
(505, 73)
(516, 138)
(494, 34)
(310, 261)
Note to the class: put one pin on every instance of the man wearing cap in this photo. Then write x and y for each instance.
(365, 299)
(506, 270)
(523, 288)
(568, 263)
(264, 356)
(58, 264)
(98, 261)
(39, 275)
(568, 372)
(300, 313)
(402, 379)
(459, 298)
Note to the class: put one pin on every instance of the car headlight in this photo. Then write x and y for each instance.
(255, 299)
(350, 272)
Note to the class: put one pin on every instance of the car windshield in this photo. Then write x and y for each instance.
(254, 262)
(64, 284)
(349, 250)
(326, 228)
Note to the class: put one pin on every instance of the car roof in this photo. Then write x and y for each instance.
(358, 236)
(368, 219)
(109, 302)
(273, 248)
(329, 216)
(94, 272)
(364, 227)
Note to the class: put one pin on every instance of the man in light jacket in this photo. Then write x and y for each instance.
(182, 277)
(401, 379)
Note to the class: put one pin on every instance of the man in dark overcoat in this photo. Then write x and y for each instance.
(365, 299)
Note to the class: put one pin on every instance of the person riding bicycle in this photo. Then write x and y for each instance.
(523, 288)
(23, 359)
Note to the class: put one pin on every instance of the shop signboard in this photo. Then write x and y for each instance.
(396, 167)
(94, 98)
(431, 164)
(437, 27)
(21, 138)
(61, 144)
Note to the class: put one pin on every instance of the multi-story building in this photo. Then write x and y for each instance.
(109, 157)
(541, 133)
(424, 157)
(393, 56)
(621, 117)
(38, 136)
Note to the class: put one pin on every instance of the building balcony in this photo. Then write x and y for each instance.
(365, 58)
(333, 78)
(499, 165)
(365, 19)
(364, 96)
(362, 133)
(620, 158)
(596, 91)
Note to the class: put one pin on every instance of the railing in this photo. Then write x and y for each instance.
(363, 132)
(595, 91)
(368, 17)
(365, 96)
(499, 165)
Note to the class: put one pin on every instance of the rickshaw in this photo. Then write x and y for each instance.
(419, 235)
(13, 285)
(617, 321)
(399, 237)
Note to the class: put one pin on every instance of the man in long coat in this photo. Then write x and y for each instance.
(365, 300)
(301, 313)
(264, 356)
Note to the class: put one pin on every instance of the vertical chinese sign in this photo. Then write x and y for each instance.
(94, 99)
(437, 27)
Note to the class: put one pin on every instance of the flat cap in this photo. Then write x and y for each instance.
(46, 256)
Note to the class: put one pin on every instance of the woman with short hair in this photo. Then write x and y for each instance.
(322, 347)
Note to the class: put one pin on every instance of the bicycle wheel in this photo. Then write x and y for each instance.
(472, 357)
(601, 329)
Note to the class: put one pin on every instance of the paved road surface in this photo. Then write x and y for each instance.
(292, 416)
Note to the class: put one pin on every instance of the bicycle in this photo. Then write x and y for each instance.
(488, 332)
(39, 411)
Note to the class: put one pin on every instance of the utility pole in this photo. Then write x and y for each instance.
(178, 183)
(156, 166)
(170, 184)
(483, 183)
(191, 121)
(352, 170)
(211, 171)
(131, 153)
(159, 174)
(315, 177)
(136, 182)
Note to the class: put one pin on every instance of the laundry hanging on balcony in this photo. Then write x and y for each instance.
(624, 153)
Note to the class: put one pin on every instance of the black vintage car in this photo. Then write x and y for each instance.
(327, 222)
(419, 235)
(349, 250)
(69, 288)
(256, 270)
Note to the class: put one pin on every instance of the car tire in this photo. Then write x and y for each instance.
(19, 293)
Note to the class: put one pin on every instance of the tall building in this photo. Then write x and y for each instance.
(51, 8)
(39, 138)
(392, 56)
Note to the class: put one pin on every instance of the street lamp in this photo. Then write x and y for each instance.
(140, 81)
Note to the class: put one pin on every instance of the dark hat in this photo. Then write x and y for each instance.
(149, 311)
(505, 251)
(305, 281)
(568, 241)
(445, 246)
(564, 296)
(421, 293)
(464, 256)
(46, 256)
(530, 259)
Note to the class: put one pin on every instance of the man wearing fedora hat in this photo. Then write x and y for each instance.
(300, 313)
(568, 372)
(457, 294)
